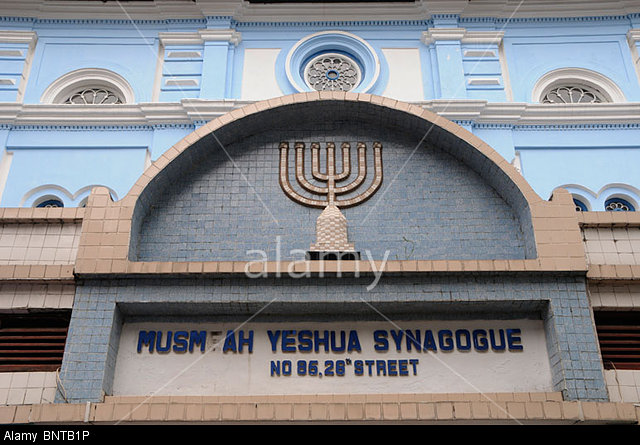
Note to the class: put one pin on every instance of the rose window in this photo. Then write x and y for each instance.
(332, 72)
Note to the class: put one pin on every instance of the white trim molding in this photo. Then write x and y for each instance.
(29, 38)
(53, 191)
(464, 36)
(24, 37)
(63, 86)
(197, 111)
(581, 76)
(596, 200)
(633, 38)
(200, 37)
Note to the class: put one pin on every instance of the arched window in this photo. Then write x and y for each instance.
(575, 86)
(573, 93)
(94, 96)
(89, 86)
(53, 195)
(616, 204)
(48, 201)
(580, 206)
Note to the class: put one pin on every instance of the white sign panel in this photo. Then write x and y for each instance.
(332, 358)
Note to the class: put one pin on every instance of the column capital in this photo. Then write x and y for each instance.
(220, 35)
(633, 35)
(10, 36)
(462, 35)
(200, 37)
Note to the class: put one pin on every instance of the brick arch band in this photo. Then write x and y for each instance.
(110, 229)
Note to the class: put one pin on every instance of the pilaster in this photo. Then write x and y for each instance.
(468, 62)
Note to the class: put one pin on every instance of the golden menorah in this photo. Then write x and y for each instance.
(331, 226)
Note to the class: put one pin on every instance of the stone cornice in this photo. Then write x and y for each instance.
(243, 11)
(196, 111)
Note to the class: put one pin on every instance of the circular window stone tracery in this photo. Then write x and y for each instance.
(573, 94)
(332, 72)
(332, 61)
(618, 205)
(93, 96)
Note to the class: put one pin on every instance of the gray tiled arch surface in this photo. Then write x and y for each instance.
(440, 197)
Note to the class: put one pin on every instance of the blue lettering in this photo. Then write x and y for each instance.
(369, 364)
(358, 367)
(245, 341)
(445, 340)
(413, 339)
(197, 338)
(480, 340)
(402, 365)
(305, 340)
(273, 338)
(230, 343)
(334, 346)
(288, 341)
(460, 333)
(180, 341)
(397, 338)
(380, 337)
(354, 342)
(494, 345)
(317, 340)
(146, 339)
(414, 362)
(513, 340)
(167, 346)
(286, 367)
(429, 341)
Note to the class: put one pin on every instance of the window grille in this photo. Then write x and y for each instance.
(619, 337)
(618, 205)
(332, 72)
(33, 342)
(93, 96)
(573, 94)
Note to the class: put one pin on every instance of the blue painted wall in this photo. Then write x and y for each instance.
(550, 156)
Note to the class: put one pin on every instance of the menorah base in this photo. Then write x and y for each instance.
(333, 255)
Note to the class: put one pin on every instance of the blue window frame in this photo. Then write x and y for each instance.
(618, 205)
(580, 206)
(51, 203)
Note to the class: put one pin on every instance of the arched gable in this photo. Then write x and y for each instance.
(504, 214)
